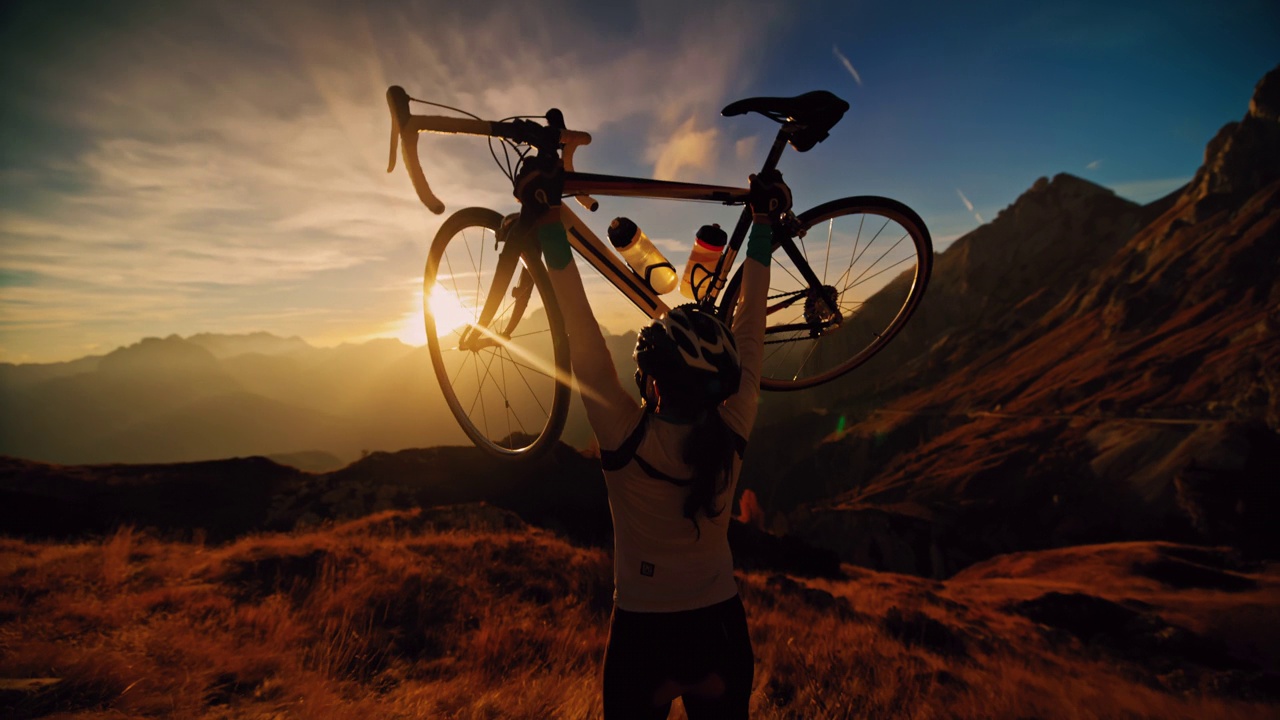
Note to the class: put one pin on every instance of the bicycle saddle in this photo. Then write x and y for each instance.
(812, 114)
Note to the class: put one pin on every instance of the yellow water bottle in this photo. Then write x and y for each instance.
(641, 255)
(707, 247)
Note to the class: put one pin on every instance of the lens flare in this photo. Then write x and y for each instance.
(448, 311)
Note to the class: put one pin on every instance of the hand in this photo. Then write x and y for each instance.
(770, 197)
(540, 184)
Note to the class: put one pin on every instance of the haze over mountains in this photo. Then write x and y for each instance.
(211, 396)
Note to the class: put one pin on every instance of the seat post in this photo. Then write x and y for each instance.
(775, 152)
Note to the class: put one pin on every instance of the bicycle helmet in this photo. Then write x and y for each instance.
(692, 355)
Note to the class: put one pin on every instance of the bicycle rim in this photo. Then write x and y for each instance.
(872, 257)
(507, 385)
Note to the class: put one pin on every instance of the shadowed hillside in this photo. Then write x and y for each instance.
(1128, 396)
(222, 500)
(464, 612)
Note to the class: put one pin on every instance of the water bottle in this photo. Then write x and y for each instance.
(641, 255)
(702, 261)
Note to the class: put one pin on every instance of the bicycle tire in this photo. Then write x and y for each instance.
(529, 387)
(866, 325)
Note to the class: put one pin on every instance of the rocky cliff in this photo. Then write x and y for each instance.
(1133, 397)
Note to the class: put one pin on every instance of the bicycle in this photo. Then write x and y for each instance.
(508, 354)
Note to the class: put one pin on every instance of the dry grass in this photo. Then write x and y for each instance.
(385, 617)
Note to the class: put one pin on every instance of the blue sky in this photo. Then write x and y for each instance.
(219, 167)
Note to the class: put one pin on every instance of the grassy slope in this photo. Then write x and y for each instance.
(471, 615)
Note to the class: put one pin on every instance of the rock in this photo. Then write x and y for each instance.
(1244, 156)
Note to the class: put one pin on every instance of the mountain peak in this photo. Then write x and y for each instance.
(264, 343)
(1244, 156)
(159, 355)
(1265, 103)
(1063, 187)
(1064, 198)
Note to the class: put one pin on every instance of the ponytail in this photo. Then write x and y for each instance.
(709, 450)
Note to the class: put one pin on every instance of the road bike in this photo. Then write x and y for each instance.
(846, 275)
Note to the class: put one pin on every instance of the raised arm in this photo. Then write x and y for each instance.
(611, 410)
(770, 198)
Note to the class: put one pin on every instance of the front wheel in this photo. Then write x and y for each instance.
(506, 382)
(871, 258)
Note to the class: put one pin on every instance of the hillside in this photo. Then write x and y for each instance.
(1138, 402)
(222, 500)
(464, 612)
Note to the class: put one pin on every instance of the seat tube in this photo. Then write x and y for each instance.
(775, 152)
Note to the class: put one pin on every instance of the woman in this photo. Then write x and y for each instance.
(671, 465)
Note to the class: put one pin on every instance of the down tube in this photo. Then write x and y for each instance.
(609, 264)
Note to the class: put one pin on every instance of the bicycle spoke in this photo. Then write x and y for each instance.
(799, 282)
(887, 269)
(812, 346)
(531, 368)
(478, 398)
(831, 226)
(461, 364)
(882, 256)
(526, 383)
(510, 411)
(789, 342)
(866, 247)
(531, 332)
(478, 269)
(478, 272)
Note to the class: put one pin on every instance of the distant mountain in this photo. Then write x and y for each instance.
(211, 396)
(260, 343)
(1128, 390)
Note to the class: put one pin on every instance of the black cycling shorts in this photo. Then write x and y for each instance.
(647, 649)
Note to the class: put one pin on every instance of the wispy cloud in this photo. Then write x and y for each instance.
(969, 206)
(847, 65)
(218, 179)
(690, 147)
(1093, 165)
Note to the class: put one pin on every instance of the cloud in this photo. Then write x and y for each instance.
(227, 163)
(688, 149)
(969, 206)
(847, 65)
(1093, 165)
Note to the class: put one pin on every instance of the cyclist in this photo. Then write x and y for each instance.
(671, 464)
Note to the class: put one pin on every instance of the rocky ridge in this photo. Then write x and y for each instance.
(1141, 403)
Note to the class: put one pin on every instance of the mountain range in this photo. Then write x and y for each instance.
(212, 396)
(1082, 369)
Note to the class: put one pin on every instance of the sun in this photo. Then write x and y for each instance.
(449, 313)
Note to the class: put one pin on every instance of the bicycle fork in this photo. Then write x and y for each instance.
(479, 336)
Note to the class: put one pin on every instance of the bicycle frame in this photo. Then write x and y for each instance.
(581, 186)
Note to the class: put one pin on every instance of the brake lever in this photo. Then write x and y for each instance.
(392, 98)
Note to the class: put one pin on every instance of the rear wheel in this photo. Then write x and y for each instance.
(507, 383)
(871, 257)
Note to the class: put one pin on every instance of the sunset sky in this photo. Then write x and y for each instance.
(185, 167)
